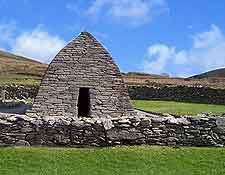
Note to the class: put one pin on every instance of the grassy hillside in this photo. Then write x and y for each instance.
(218, 73)
(20, 70)
(12, 64)
(140, 79)
(136, 160)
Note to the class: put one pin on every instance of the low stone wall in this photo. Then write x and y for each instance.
(179, 93)
(21, 130)
(19, 91)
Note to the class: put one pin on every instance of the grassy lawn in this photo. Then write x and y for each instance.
(137, 160)
(179, 108)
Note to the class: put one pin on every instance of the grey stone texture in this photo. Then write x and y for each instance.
(21, 92)
(178, 93)
(83, 63)
(144, 128)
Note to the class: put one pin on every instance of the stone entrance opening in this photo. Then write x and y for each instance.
(84, 102)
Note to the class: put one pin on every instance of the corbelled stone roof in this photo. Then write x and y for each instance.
(83, 63)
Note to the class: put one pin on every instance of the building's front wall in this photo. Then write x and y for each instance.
(83, 63)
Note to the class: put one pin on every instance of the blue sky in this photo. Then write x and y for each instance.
(180, 38)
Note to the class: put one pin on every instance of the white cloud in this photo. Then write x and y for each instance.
(37, 44)
(6, 32)
(162, 53)
(135, 11)
(181, 57)
(208, 39)
(206, 53)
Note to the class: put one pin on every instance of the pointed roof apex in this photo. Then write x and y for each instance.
(87, 37)
(85, 33)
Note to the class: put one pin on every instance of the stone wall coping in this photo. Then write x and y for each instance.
(202, 130)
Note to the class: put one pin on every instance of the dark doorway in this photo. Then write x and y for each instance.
(84, 102)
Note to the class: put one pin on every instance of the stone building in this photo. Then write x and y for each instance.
(83, 81)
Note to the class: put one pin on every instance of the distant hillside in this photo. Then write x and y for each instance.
(13, 64)
(218, 73)
(20, 70)
(141, 74)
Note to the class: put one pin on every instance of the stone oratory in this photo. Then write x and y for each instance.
(83, 100)
(83, 81)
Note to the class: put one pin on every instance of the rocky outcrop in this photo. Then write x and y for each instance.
(179, 93)
(145, 128)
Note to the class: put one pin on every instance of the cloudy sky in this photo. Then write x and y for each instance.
(181, 38)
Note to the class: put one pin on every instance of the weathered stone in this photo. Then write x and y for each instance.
(180, 120)
(11, 118)
(120, 134)
(111, 131)
(4, 122)
(159, 119)
(26, 129)
(145, 123)
(107, 123)
(220, 122)
(22, 143)
(124, 121)
(83, 67)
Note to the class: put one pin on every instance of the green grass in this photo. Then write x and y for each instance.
(137, 160)
(178, 108)
(19, 80)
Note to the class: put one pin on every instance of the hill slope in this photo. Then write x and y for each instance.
(20, 70)
(217, 73)
(13, 64)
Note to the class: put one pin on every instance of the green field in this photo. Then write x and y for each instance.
(137, 160)
(178, 108)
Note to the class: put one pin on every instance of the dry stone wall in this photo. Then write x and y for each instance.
(179, 93)
(202, 130)
(20, 91)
